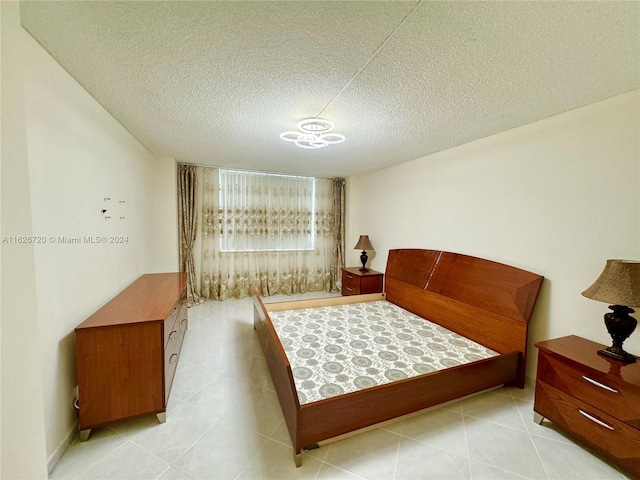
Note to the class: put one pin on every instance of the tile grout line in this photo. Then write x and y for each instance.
(466, 442)
(395, 467)
(544, 467)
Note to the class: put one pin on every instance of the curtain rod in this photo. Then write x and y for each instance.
(257, 171)
(196, 164)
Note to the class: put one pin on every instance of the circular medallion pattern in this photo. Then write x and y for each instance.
(302, 372)
(333, 367)
(305, 353)
(472, 357)
(394, 374)
(382, 340)
(330, 390)
(361, 361)
(363, 382)
(332, 348)
(388, 356)
(422, 368)
(416, 352)
(308, 384)
(437, 347)
(449, 362)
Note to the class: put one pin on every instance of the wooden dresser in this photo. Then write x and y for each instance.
(595, 398)
(127, 352)
(355, 282)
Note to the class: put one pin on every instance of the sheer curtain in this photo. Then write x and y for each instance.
(256, 229)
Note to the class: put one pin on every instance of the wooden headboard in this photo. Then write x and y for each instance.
(488, 302)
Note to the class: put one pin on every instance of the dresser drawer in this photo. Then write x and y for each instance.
(172, 345)
(176, 336)
(350, 283)
(172, 351)
(604, 432)
(170, 321)
(605, 393)
(171, 372)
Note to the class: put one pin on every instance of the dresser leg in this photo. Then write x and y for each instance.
(537, 418)
(84, 435)
(162, 417)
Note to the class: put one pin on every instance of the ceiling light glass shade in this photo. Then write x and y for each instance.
(332, 138)
(315, 125)
(290, 136)
(313, 134)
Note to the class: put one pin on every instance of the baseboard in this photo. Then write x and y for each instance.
(57, 454)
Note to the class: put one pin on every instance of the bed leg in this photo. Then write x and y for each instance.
(537, 418)
(297, 459)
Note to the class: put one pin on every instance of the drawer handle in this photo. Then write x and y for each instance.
(350, 289)
(598, 384)
(349, 276)
(174, 359)
(594, 419)
(173, 336)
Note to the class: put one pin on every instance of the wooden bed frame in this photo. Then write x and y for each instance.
(488, 302)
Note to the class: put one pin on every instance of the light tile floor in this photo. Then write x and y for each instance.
(224, 422)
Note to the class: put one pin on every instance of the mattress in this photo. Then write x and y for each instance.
(339, 349)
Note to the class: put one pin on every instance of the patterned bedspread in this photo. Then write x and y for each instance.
(340, 349)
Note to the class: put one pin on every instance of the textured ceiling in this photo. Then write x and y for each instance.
(217, 82)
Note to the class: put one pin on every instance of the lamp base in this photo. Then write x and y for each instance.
(622, 356)
(619, 325)
(363, 259)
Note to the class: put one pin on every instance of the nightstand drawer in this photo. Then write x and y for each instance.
(350, 283)
(595, 427)
(605, 393)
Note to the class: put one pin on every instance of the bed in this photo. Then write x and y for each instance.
(482, 303)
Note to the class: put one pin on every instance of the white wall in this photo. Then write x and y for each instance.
(22, 447)
(164, 217)
(77, 156)
(557, 197)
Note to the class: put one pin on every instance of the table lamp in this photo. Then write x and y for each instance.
(618, 285)
(363, 244)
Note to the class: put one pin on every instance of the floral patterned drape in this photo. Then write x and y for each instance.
(261, 236)
(338, 185)
(187, 227)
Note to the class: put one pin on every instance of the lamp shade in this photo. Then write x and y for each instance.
(363, 243)
(618, 284)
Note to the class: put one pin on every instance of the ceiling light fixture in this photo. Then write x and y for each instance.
(313, 133)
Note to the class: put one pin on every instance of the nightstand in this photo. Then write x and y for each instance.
(355, 282)
(591, 397)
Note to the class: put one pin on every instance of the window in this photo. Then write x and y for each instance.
(265, 212)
